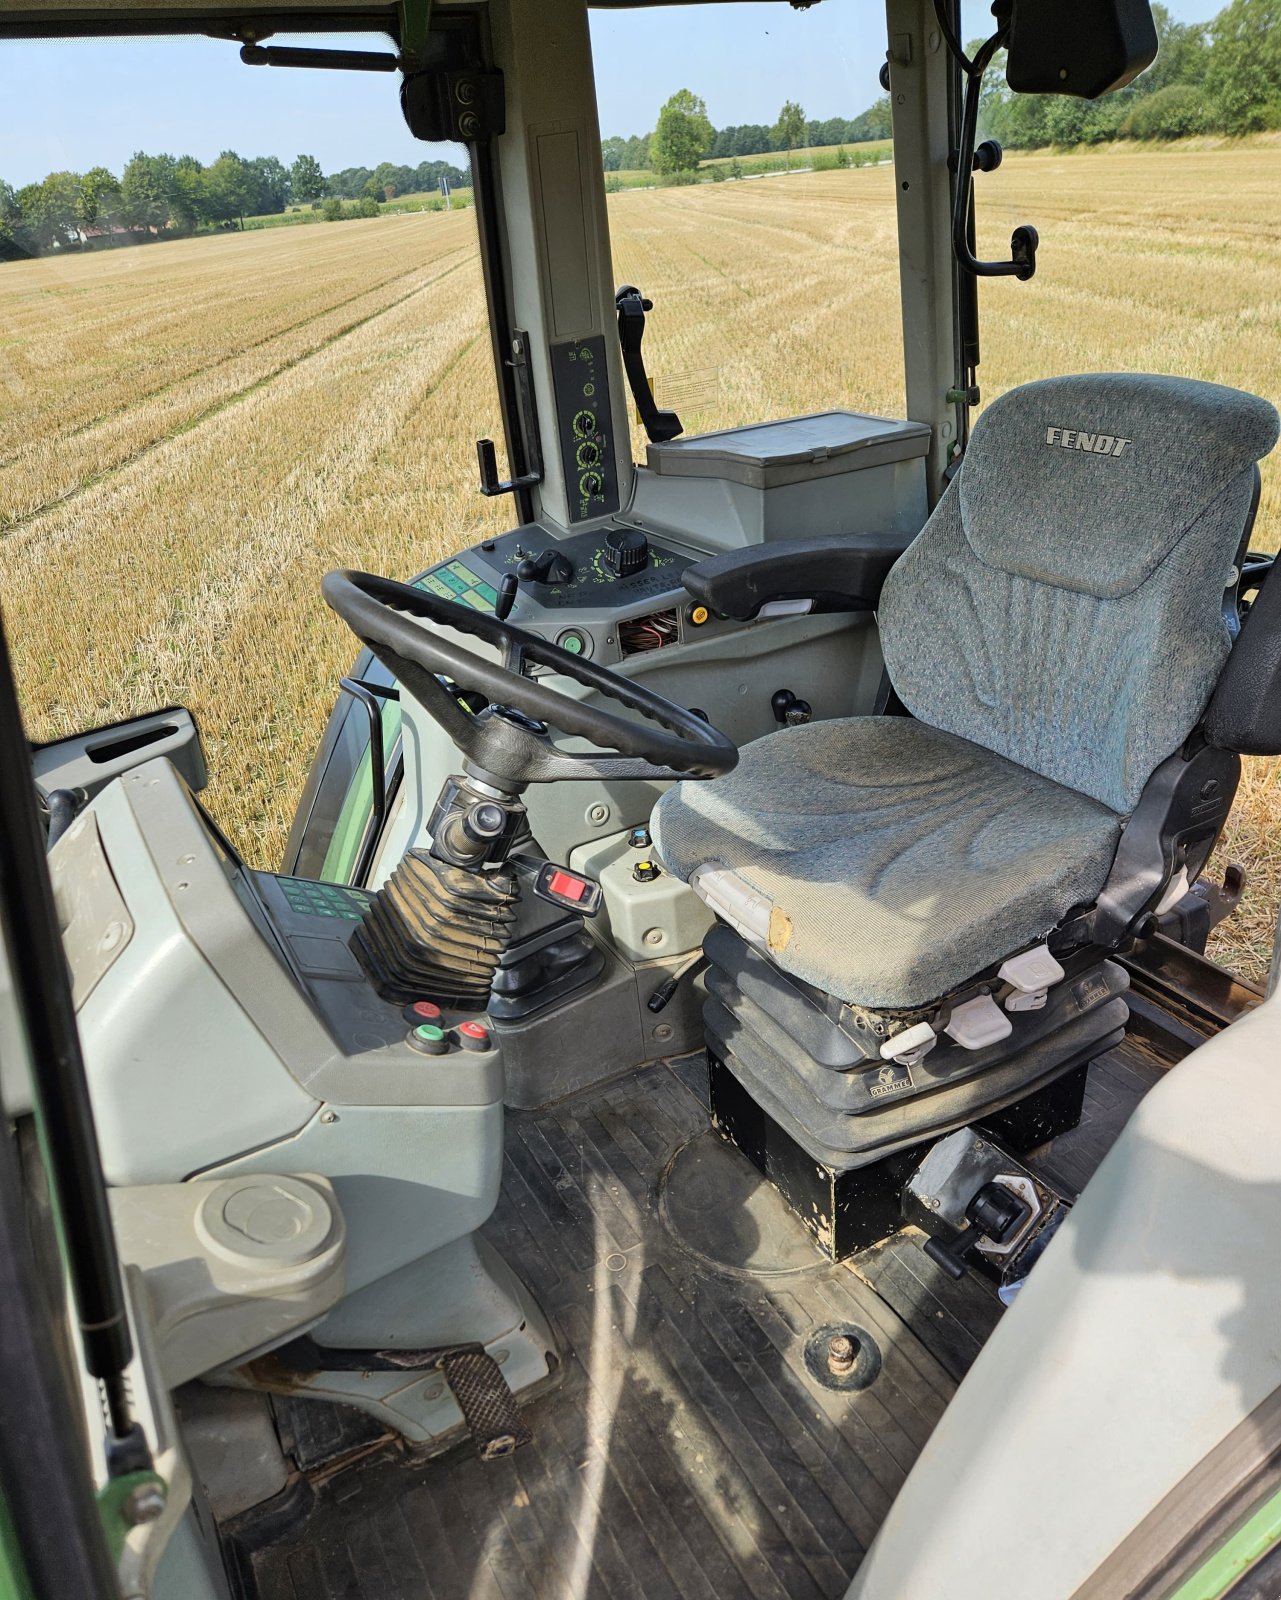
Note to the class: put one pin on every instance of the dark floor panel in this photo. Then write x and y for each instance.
(1116, 1084)
(952, 1318)
(687, 1451)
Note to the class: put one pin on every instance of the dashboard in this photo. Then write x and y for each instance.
(609, 593)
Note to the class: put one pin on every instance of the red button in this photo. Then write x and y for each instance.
(571, 888)
(474, 1030)
(424, 1010)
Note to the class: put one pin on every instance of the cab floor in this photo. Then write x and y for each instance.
(687, 1451)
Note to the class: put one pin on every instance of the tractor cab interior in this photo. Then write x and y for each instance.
(739, 963)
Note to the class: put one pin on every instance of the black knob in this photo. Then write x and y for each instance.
(645, 872)
(626, 552)
(506, 596)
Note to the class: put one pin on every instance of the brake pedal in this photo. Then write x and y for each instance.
(488, 1406)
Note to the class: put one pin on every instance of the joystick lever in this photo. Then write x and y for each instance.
(550, 567)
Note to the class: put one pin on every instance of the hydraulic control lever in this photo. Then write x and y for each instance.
(631, 306)
(995, 1213)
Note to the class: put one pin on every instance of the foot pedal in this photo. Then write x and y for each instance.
(488, 1406)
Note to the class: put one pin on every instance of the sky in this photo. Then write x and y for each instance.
(74, 105)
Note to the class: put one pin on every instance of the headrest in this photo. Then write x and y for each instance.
(1087, 483)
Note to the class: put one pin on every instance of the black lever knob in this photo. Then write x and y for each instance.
(550, 567)
(506, 596)
(626, 552)
(995, 1213)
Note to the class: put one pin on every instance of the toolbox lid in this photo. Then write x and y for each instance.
(768, 455)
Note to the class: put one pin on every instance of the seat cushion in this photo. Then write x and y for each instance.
(897, 860)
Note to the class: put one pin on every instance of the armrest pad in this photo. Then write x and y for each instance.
(838, 572)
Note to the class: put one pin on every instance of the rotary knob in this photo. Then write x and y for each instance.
(626, 552)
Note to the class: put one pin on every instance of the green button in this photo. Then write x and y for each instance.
(488, 592)
(573, 642)
(441, 590)
(429, 1030)
(455, 584)
(458, 570)
(476, 601)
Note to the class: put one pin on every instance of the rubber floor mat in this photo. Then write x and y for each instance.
(697, 1445)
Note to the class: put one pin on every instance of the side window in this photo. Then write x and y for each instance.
(755, 209)
(336, 812)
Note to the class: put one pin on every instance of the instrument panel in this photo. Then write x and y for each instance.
(604, 578)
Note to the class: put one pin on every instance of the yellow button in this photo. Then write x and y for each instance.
(699, 615)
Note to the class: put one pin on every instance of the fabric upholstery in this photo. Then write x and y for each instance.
(903, 860)
(1063, 605)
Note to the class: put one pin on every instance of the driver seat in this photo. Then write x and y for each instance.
(944, 877)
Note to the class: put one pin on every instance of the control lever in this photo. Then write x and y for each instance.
(631, 306)
(789, 711)
(550, 567)
(506, 596)
(994, 1213)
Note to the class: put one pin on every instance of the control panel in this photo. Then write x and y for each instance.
(314, 921)
(607, 593)
(580, 379)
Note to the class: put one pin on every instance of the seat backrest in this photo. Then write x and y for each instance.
(1063, 605)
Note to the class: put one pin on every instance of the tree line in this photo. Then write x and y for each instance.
(177, 195)
(685, 136)
(1222, 76)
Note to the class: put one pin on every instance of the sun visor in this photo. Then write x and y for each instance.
(1078, 47)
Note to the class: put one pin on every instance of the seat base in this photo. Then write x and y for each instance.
(810, 1065)
(852, 1208)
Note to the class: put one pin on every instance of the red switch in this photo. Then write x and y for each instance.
(563, 884)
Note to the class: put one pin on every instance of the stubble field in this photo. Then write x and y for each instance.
(192, 433)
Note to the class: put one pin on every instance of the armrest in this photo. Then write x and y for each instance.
(837, 572)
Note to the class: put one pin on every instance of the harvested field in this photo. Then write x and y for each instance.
(192, 433)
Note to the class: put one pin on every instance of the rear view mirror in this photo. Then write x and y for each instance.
(87, 762)
(1080, 47)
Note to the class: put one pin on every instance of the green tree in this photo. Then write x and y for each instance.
(13, 241)
(306, 180)
(683, 135)
(230, 187)
(1243, 70)
(270, 180)
(189, 199)
(99, 198)
(52, 210)
(146, 190)
(789, 130)
(1175, 112)
(877, 122)
(1182, 56)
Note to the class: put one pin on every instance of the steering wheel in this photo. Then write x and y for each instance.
(507, 741)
